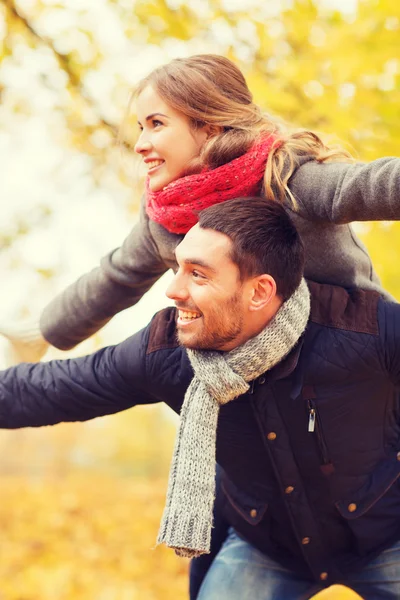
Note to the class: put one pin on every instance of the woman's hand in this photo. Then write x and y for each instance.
(26, 342)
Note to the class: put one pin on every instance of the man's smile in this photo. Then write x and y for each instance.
(187, 316)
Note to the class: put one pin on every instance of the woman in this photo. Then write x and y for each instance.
(204, 141)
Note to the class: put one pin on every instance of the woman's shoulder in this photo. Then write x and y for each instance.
(309, 169)
(341, 192)
(326, 173)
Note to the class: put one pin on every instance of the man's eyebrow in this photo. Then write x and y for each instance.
(199, 262)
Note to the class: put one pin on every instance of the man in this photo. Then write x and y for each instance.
(299, 408)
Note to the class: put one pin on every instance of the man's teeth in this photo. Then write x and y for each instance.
(184, 314)
(154, 163)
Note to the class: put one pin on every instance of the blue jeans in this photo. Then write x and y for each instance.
(241, 572)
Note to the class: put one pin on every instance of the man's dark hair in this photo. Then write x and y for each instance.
(264, 239)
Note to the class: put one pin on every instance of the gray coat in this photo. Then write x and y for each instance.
(329, 196)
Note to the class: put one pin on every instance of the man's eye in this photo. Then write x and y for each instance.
(197, 275)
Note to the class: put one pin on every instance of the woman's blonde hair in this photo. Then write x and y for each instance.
(210, 89)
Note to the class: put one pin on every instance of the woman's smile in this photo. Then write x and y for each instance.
(153, 164)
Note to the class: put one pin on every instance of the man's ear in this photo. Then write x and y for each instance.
(263, 291)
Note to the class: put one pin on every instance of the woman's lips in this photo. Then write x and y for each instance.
(154, 165)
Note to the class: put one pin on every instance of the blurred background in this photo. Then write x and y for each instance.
(81, 503)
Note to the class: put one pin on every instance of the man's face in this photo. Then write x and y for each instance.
(208, 293)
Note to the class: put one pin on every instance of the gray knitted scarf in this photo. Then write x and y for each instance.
(219, 377)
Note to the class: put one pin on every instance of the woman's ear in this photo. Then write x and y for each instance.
(212, 130)
(263, 291)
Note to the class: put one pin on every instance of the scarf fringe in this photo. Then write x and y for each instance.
(188, 535)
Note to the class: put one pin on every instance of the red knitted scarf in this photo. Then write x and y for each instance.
(176, 205)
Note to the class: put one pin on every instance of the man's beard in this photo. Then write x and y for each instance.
(223, 330)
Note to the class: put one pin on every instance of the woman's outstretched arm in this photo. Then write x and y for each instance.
(121, 279)
(339, 192)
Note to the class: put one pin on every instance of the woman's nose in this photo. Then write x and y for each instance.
(143, 145)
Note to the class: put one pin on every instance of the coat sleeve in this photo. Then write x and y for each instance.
(108, 381)
(389, 331)
(344, 192)
(121, 279)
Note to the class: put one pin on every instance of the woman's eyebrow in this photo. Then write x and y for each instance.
(156, 114)
(152, 115)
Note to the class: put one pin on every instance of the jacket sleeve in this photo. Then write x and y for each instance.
(389, 333)
(106, 382)
(122, 278)
(343, 192)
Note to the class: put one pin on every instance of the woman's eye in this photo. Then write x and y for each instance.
(156, 123)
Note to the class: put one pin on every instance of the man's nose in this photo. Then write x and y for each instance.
(176, 289)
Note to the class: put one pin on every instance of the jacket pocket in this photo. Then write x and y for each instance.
(315, 427)
(373, 511)
(244, 504)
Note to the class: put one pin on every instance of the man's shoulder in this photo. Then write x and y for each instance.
(351, 310)
(162, 331)
(167, 363)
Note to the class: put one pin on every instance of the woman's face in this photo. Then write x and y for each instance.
(167, 141)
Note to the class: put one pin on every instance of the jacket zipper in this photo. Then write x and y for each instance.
(314, 426)
(251, 390)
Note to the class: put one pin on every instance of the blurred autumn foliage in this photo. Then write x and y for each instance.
(72, 538)
(81, 503)
(64, 539)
